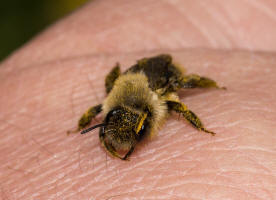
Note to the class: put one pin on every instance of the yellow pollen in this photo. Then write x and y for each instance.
(144, 116)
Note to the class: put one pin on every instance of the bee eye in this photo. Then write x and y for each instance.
(142, 131)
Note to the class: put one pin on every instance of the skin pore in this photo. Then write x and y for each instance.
(51, 81)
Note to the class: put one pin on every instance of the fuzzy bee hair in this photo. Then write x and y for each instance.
(139, 100)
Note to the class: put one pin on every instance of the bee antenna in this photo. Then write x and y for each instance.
(93, 127)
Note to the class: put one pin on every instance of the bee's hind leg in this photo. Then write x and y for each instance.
(188, 115)
(196, 81)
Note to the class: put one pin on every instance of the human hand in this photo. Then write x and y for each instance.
(51, 81)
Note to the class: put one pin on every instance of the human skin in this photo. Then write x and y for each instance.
(46, 86)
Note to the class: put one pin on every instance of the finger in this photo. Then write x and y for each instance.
(163, 25)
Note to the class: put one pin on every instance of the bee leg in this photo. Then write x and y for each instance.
(196, 81)
(111, 78)
(128, 153)
(87, 117)
(188, 115)
(109, 148)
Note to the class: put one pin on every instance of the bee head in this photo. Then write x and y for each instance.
(124, 127)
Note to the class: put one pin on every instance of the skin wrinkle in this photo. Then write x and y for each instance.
(204, 32)
(154, 184)
(222, 36)
(83, 20)
(146, 191)
(263, 8)
(134, 180)
(52, 63)
(222, 21)
(232, 23)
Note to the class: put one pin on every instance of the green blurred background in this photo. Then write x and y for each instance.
(20, 20)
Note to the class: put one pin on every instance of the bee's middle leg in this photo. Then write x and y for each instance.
(111, 78)
(188, 115)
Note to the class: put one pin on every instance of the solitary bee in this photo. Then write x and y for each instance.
(139, 100)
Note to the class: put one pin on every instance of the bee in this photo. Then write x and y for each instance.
(139, 100)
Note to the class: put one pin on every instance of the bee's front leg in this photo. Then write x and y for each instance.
(86, 118)
(109, 148)
(128, 153)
